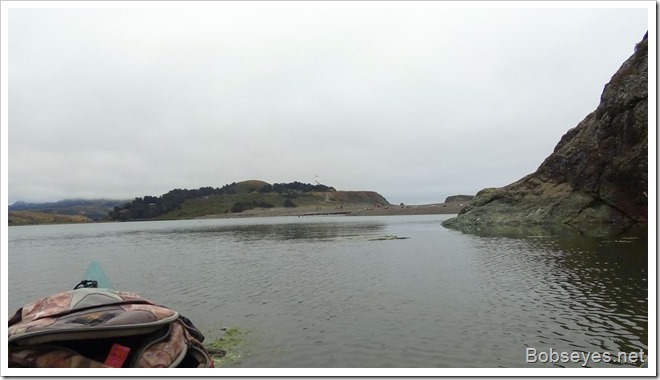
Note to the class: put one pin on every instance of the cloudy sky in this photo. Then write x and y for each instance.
(414, 101)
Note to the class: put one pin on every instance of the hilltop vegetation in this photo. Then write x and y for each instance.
(234, 197)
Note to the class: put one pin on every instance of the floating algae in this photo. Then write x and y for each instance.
(227, 349)
(388, 237)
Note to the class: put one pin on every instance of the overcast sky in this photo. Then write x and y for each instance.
(414, 103)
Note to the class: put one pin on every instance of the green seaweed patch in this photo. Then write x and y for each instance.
(227, 349)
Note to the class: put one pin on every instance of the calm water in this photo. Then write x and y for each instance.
(339, 292)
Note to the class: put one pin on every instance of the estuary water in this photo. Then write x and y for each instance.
(341, 291)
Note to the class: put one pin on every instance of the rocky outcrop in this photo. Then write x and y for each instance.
(598, 172)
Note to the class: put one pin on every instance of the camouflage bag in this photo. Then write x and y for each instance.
(103, 328)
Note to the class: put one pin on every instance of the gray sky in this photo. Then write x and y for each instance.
(414, 103)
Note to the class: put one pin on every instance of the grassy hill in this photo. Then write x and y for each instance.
(232, 198)
(22, 218)
(226, 203)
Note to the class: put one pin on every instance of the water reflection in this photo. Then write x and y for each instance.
(570, 282)
(285, 231)
(600, 230)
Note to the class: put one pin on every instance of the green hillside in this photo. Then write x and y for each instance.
(235, 203)
(233, 198)
(222, 204)
(239, 197)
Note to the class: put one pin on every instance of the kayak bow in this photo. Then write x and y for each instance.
(94, 277)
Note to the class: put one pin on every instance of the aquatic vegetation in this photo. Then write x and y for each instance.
(389, 237)
(228, 348)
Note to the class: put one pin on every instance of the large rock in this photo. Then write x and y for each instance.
(598, 172)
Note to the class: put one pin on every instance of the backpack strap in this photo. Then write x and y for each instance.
(194, 331)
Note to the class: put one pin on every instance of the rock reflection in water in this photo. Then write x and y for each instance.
(596, 230)
(595, 284)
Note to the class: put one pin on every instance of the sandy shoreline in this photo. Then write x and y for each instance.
(436, 208)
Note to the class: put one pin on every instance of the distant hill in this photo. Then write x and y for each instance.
(235, 203)
(237, 197)
(186, 204)
(21, 218)
(95, 210)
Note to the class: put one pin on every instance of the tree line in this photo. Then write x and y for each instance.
(149, 207)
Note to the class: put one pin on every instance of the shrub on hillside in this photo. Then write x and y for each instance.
(242, 206)
(289, 203)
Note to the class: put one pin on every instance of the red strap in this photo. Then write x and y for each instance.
(117, 355)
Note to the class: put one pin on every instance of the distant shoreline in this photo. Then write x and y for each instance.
(427, 209)
(30, 218)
